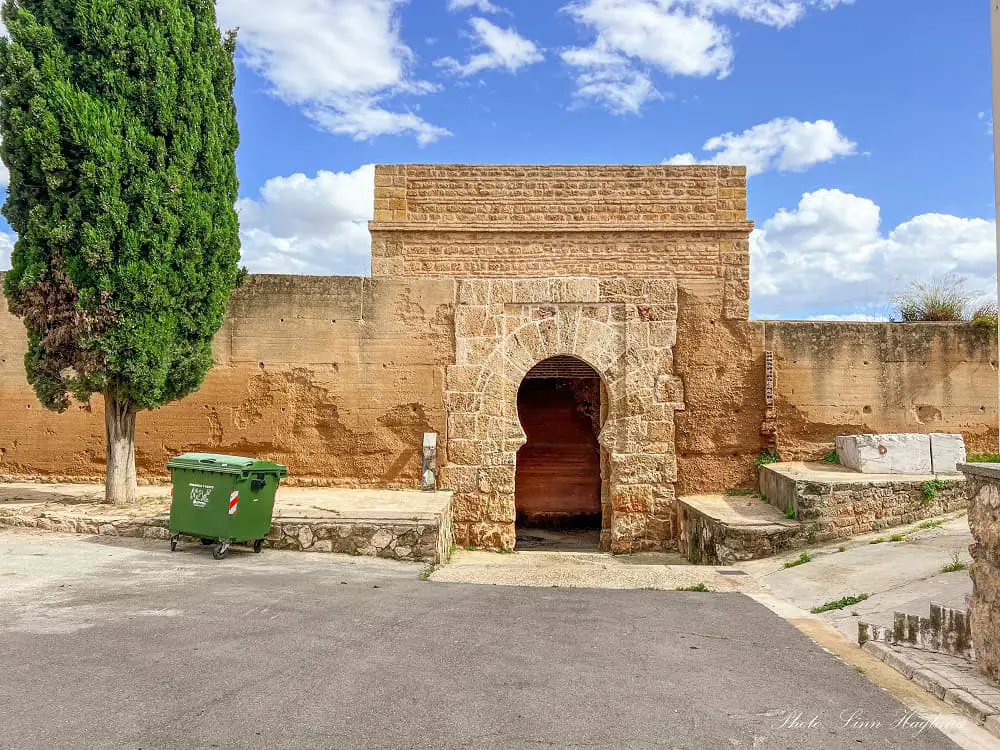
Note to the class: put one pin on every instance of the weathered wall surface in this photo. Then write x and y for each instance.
(337, 377)
(844, 378)
(722, 365)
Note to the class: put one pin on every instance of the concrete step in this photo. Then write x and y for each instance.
(396, 524)
(723, 529)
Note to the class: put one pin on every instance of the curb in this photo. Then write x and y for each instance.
(982, 713)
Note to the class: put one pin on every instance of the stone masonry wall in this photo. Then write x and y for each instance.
(535, 221)
(337, 377)
(625, 329)
(983, 484)
(830, 509)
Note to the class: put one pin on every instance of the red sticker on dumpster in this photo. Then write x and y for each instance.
(234, 501)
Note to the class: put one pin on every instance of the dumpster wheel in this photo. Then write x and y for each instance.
(173, 542)
(258, 545)
(220, 550)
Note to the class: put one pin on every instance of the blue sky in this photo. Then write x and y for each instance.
(866, 124)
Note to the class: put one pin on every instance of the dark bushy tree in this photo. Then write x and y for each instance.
(119, 130)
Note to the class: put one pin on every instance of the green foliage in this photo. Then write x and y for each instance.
(983, 458)
(930, 490)
(845, 601)
(697, 587)
(769, 456)
(929, 524)
(944, 299)
(832, 457)
(427, 572)
(813, 534)
(955, 565)
(897, 538)
(119, 130)
(985, 316)
(877, 541)
(790, 513)
(801, 560)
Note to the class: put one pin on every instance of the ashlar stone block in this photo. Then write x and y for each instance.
(947, 451)
(904, 453)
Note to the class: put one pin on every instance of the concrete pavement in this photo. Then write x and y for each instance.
(905, 576)
(118, 643)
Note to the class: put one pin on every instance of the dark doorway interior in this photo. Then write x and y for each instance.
(558, 480)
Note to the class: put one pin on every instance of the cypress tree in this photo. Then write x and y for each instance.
(119, 130)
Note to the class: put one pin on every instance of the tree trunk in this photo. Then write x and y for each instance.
(119, 423)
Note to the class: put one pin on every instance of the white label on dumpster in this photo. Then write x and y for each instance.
(200, 494)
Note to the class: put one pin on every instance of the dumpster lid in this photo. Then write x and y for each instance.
(222, 464)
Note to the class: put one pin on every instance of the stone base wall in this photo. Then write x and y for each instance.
(835, 509)
(428, 542)
(984, 521)
(424, 542)
(709, 541)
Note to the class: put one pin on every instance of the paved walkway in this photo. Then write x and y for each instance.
(897, 576)
(588, 570)
(110, 643)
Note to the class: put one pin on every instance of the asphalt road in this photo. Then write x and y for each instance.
(121, 644)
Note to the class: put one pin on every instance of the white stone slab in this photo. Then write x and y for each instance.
(886, 454)
(946, 451)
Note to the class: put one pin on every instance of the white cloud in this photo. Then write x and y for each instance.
(6, 248)
(483, 6)
(310, 225)
(989, 122)
(850, 318)
(685, 159)
(678, 37)
(829, 254)
(338, 60)
(504, 48)
(784, 144)
(366, 121)
(609, 79)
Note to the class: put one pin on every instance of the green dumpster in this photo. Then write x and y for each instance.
(222, 499)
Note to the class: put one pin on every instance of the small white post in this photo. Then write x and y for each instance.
(429, 464)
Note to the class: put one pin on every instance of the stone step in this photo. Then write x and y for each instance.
(723, 529)
(834, 502)
(396, 524)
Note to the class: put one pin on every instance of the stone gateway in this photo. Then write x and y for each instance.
(579, 338)
(579, 263)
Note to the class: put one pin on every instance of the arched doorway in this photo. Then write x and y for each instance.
(559, 478)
